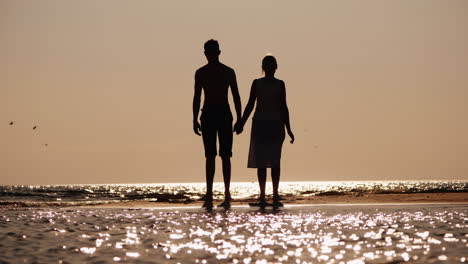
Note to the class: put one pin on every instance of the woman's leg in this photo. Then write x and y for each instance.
(275, 177)
(261, 172)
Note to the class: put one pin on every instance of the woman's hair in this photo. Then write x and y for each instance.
(269, 61)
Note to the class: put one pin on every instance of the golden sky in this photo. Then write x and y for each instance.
(377, 90)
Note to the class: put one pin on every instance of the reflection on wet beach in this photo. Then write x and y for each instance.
(302, 234)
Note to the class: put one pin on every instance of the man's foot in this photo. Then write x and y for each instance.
(208, 201)
(226, 204)
(277, 204)
(206, 197)
(208, 204)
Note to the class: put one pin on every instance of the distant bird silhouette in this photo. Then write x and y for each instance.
(11, 123)
(34, 127)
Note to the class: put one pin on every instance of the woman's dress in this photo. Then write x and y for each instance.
(267, 134)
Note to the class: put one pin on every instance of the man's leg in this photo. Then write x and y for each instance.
(209, 142)
(227, 182)
(210, 172)
(225, 151)
(227, 176)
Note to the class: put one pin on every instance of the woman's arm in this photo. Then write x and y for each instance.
(286, 112)
(248, 108)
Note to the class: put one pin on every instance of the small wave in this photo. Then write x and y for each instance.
(52, 203)
(68, 195)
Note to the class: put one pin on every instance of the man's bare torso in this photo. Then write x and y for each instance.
(215, 79)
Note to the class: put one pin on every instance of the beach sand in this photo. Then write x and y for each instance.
(405, 198)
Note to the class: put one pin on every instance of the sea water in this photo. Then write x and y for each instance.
(67, 195)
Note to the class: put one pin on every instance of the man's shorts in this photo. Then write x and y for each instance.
(216, 122)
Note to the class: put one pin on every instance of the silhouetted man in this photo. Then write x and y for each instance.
(215, 79)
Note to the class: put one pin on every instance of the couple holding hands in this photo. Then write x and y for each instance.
(268, 124)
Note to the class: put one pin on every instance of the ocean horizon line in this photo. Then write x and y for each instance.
(220, 182)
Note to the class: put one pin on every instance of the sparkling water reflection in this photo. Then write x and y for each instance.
(69, 195)
(303, 234)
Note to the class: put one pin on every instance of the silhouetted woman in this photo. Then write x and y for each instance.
(267, 136)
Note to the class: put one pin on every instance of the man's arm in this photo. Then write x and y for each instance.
(196, 105)
(235, 96)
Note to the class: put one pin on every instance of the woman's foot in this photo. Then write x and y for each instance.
(276, 202)
(226, 204)
(227, 201)
(261, 203)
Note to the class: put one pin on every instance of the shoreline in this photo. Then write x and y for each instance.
(322, 200)
(403, 198)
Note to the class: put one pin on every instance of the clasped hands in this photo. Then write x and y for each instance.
(238, 128)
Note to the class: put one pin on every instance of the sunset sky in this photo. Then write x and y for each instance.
(377, 90)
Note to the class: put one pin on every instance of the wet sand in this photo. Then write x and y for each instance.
(321, 233)
(404, 198)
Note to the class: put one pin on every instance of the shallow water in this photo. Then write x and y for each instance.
(294, 234)
(68, 195)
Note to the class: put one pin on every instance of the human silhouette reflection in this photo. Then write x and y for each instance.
(215, 79)
(267, 135)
